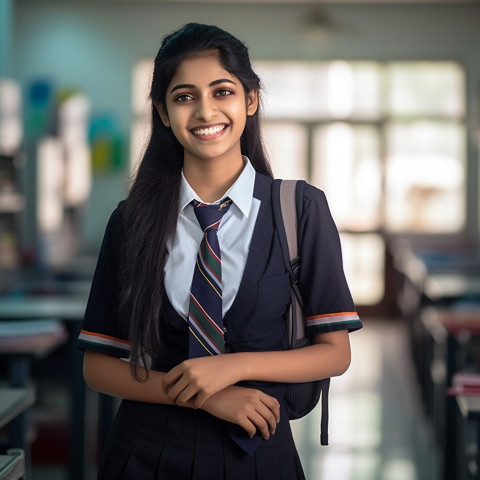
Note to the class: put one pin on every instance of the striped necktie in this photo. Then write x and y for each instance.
(205, 321)
(205, 317)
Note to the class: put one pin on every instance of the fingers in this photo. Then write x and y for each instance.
(261, 420)
(262, 425)
(263, 413)
(269, 413)
(171, 377)
(183, 392)
(177, 387)
(248, 426)
(185, 382)
(186, 397)
(251, 409)
(272, 404)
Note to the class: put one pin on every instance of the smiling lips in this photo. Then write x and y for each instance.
(204, 132)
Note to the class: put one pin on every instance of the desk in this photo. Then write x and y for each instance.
(14, 401)
(12, 465)
(447, 340)
(468, 434)
(439, 286)
(69, 309)
(25, 307)
(469, 406)
(19, 350)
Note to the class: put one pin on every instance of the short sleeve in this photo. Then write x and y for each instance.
(328, 303)
(101, 328)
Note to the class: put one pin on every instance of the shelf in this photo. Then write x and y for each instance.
(11, 202)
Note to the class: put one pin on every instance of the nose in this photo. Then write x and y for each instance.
(206, 109)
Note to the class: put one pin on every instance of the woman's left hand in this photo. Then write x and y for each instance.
(196, 379)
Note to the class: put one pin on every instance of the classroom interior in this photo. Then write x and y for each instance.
(376, 102)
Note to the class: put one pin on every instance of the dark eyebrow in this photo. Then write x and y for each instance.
(183, 85)
(222, 80)
(212, 84)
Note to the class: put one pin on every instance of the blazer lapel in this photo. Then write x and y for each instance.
(258, 253)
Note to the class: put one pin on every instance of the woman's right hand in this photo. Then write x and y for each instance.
(250, 408)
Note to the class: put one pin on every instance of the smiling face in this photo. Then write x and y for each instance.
(207, 108)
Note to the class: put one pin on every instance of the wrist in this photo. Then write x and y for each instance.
(243, 367)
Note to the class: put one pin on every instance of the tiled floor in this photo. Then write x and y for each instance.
(377, 431)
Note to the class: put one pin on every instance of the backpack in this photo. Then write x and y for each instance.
(301, 398)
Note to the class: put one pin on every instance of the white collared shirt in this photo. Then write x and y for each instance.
(234, 236)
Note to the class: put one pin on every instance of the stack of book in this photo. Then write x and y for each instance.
(31, 336)
(465, 384)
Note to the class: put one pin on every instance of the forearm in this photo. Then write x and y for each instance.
(200, 378)
(113, 376)
(329, 356)
(292, 366)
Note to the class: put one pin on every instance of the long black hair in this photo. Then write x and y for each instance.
(149, 214)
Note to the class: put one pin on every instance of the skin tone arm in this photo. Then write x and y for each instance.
(195, 380)
(249, 408)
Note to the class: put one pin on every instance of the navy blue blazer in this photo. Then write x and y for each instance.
(255, 321)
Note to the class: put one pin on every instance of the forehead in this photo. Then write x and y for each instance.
(201, 69)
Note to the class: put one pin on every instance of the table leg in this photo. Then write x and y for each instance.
(19, 374)
(77, 413)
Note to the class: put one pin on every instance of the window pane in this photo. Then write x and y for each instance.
(426, 88)
(425, 179)
(287, 149)
(293, 89)
(346, 165)
(353, 90)
(309, 91)
(363, 260)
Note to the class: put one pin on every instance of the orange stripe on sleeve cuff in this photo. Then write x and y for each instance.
(331, 318)
(93, 338)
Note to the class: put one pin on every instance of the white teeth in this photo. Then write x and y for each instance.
(209, 131)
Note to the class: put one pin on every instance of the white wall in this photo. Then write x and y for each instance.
(6, 14)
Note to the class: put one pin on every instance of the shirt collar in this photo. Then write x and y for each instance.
(241, 192)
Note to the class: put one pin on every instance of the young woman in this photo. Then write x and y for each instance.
(215, 416)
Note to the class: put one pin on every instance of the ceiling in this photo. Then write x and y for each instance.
(313, 2)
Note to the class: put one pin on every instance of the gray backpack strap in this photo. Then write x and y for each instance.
(289, 212)
(287, 194)
(290, 222)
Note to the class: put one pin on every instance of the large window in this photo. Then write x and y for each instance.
(385, 141)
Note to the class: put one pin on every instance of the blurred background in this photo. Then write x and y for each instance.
(375, 102)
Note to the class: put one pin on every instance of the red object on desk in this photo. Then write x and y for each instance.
(465, 384)
(457, 321)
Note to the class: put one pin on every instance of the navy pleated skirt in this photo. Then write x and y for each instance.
(162, 442)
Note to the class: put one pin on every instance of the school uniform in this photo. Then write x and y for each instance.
(163, 442)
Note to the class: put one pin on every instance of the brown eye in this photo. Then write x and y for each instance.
(183, 98)
(223, 93)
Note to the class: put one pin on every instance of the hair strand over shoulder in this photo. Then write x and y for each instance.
(149, 214)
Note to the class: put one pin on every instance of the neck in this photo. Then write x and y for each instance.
(211, 180)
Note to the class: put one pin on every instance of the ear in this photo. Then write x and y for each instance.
(252, 102)
(162, 111)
